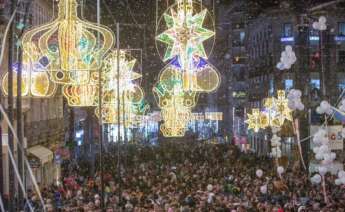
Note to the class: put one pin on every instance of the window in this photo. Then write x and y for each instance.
(242, 35)
(287, 30)
(341, 28)
(315, 83)
(288, 84)
(341, 57)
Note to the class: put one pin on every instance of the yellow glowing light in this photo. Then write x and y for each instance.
(276, 112)
(81, 95)
(277, 109)
(175, 104)
(257, 120)
(35, 79)
(70, 44)
(131, 95)
(184, 39)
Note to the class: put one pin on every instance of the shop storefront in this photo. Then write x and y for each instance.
(41, 160)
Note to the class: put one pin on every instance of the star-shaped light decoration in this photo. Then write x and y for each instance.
(185, 34)
(131, 95)
(257, 120)
(283, 112)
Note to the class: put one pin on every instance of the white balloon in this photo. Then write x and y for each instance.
(209, 187)
(263, 189)
(316, 179)
(316, 25)
(324, 148)
(322, 170)
(316, 150)
(337, 182)
(323, 27)
(288, 48)
(300, 106)
(280, 169)
(259, 173)
(333, 155)
(318, 156)
(342, 180)
(322, 19)
(341, 174)
(319, 110)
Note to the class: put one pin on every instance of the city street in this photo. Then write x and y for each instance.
(172, 105)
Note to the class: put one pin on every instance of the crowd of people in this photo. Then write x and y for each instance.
(187, 176)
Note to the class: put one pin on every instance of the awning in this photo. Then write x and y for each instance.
(42, 153)
(4, 143)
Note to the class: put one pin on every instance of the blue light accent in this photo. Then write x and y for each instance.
(314, 38)
(339, 38)
(202, 63)
(175, 62)
(287, 39)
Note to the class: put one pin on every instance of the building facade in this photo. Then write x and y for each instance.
(318, 71)
(42, 117)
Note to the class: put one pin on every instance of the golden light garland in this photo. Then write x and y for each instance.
(70, 44)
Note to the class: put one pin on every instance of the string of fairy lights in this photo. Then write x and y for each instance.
(73, 53)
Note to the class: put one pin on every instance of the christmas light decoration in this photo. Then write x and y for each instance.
(131, 95)
(73, 47)
(188, 72)
(184, 39)
(176, 104)
(257, 120)
(35, 79)
(275, 113)
(81, 95)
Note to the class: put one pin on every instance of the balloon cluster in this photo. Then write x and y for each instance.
(322, 150)
(275, 143)
(294, 100)
(287, 59)
(341, 178)
(324, 108)
(321, 24)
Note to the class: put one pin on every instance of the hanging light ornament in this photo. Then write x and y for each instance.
(184, 39)
(188, 72)
(131, 95)
(176, 104)
(72, 46)
(35, 79)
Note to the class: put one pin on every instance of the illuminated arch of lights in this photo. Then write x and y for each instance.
(275, 113)
(70, 44)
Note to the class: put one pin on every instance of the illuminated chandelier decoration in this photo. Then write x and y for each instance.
(131, 97)
(70, 44)
(275, 113)
(188, 73)
(35, 79)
